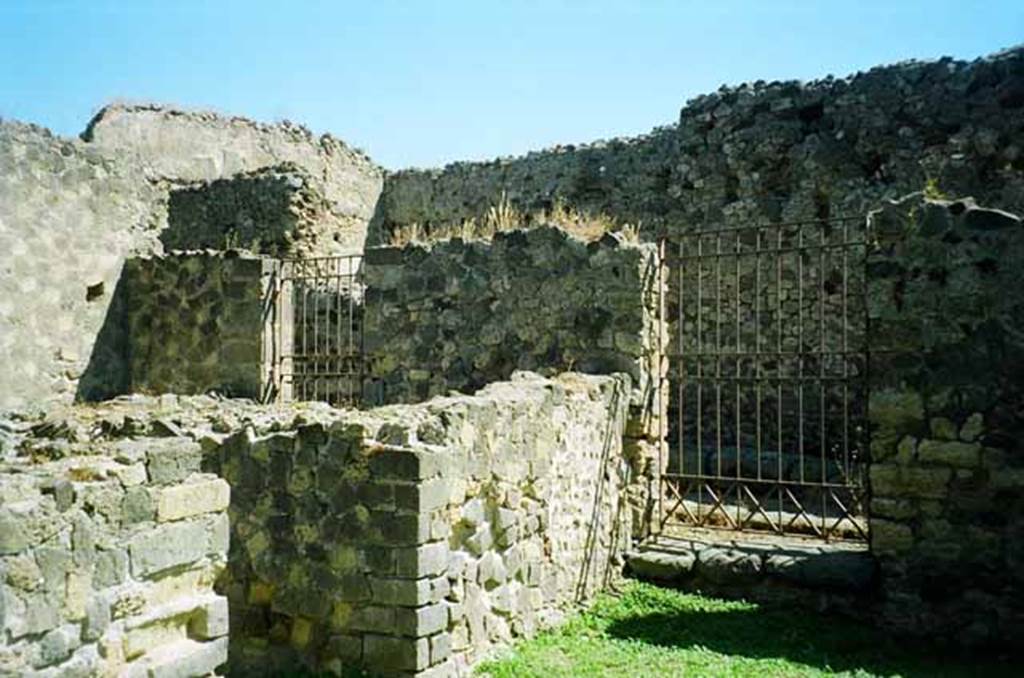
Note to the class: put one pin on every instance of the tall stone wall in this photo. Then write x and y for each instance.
(460, 314)
(199, 322)
(108, 556)
(947, 474)
(762, 152)
(72, 211)
(69, 216)
(196, 146)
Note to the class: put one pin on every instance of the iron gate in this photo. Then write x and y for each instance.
(317, 341)
(768, 379)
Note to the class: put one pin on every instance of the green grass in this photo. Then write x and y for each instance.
(650, 631)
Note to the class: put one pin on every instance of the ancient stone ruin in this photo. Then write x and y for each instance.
(268, 407)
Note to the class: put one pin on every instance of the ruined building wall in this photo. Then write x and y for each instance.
(72, 211)
(108, 556)
(415, 537)
(192, 146)
(278, 210)
(763, 152)
(533, 300)
(198, 322)
(68, 218)
(947, 366)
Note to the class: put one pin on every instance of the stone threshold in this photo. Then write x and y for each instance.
(760, 567)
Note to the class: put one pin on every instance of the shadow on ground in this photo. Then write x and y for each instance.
(813, 640)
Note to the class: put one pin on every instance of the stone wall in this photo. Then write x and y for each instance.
(416, 537)
(72, 211)
(68, 218)
(947, 479)
(108, 556)
(196, 146)
(460, 314)
(199, 322)
(762, 152)
(277, 210)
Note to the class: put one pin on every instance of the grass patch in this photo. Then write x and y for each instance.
(650, 631)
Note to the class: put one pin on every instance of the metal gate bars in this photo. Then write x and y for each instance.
(316, 345)
(768, 379)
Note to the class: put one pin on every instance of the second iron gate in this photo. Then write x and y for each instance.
(317, 338)
(768, 379)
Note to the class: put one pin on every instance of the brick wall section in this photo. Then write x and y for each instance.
(947, 474)
(411, 538)
(108, 555)
(196, 323)
(460, 314)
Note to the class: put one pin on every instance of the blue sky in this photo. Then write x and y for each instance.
(424, 83)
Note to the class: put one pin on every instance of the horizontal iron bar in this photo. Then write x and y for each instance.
(771, 354)
(667, 477)
(776, 224)
(807, 378)
(757, 253)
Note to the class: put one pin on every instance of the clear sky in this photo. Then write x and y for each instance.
(424, 83)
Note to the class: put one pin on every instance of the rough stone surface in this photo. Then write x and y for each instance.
(945, 311)
(195, 323)
(536, 300)
(72, 211)
(92, 587)
(765, 151)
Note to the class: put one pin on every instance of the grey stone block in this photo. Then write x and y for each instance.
(421, 621)
(423, 561)
(408, 592)
(372, 618)
(671, 566)
(97, 617)
(167, 546)
(210, 621)
(728, 566)
(172, 460)
(843, 570)
(398, 654)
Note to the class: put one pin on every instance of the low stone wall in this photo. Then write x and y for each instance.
(108, 556)
(460, 314)
(197, 322)
(947, 474)
(413, 538)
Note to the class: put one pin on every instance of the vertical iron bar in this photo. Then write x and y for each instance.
(821, 366)
(757, 344)
(778, 366)
(700, 371)
(718, 352)
(846, 357)
(737, 433)
(681, 375)
(800, 343)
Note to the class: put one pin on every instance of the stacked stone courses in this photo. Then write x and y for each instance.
(108, 557)
(409, 539)
(947, 474)
(761, 152)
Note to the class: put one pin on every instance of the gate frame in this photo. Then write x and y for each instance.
(669, 379)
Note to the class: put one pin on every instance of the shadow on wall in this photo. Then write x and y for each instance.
(612, 434)
(107, 375)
